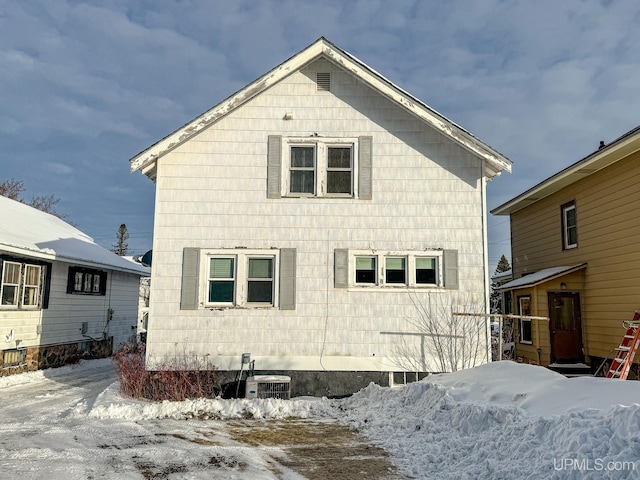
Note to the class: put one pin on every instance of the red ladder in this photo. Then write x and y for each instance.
(627, 350)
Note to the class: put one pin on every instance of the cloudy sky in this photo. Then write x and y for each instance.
(86, 85)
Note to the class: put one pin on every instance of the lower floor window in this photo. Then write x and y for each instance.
(241, 279)
(396, 269)
(14, 358)
(87, 281)
(21, 284)
(524, 307)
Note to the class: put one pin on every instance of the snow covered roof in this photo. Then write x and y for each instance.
(541, 276)
(27, 231)
(494, 161)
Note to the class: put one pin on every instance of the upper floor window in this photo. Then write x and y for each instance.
(86, 281)
(21, 285)
(320, 167)
(569, 226)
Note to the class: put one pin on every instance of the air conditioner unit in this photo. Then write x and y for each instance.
(268, 386)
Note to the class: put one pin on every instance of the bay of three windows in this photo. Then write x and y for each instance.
(398, 270)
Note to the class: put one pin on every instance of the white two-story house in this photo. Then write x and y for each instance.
(308, 220)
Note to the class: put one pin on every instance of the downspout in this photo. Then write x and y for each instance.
(485, 253)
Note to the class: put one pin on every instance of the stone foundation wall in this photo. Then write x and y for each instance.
(50, 356)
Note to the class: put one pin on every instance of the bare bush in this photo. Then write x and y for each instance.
(442, 340)
(180, 380)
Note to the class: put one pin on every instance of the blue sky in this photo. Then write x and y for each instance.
(86, 85)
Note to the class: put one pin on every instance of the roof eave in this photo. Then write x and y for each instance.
(620, 148)
(494, 161)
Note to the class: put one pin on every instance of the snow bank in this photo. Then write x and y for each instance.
(505, 421)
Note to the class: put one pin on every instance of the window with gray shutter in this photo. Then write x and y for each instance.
(190, 273)
(341, 267)
(288, 279)
(274, 166)
(450, 259)
(364, 167)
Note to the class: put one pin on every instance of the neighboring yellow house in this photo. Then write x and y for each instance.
(575, 244)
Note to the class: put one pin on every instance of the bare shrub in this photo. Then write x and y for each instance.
(177, 381)
(440, 339)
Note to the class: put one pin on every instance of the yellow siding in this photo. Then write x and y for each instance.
(607, 207)
(540, 308)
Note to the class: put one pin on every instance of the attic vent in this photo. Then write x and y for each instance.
(323, 81)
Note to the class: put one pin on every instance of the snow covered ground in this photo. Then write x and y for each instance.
(498, 421)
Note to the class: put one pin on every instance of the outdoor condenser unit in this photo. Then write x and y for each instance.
(268, 386)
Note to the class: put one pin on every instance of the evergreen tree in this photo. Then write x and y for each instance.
(496, 298)
(121, 247)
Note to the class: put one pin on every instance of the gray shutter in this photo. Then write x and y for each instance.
(274, 166)
(364, 167)
(341, 267)
(287, 279)
(190, 273)
(450, 258)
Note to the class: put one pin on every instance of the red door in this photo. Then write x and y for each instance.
(565, 327)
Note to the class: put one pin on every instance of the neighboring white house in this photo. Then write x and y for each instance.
(61, 295)
(305, 219)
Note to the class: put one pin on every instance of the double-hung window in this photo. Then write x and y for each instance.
(569, 226)
(366, 270)
(302, 170)
(395, 270)
(260, 280)
(222, 280)
(21, 285)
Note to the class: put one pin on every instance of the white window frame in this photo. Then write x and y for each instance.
(321, 147)
(37, 286)
(241, 276)
(410, 258)
(5, 263)
(525, 312)
(22, 286)
(565, 225)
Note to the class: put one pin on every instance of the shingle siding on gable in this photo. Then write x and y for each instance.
(212, 193)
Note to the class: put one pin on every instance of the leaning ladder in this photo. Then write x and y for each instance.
(624, 354)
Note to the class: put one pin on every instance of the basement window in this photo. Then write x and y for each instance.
(14, 357)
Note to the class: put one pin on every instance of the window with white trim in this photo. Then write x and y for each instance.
(421, 269)
(320, 167)
(569, 226)
(524, 309)
(21, 285)
(241, 278)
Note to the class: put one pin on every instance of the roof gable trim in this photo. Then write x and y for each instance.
(495, 162)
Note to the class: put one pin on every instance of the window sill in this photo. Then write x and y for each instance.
(522, 342)
(394, 288)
